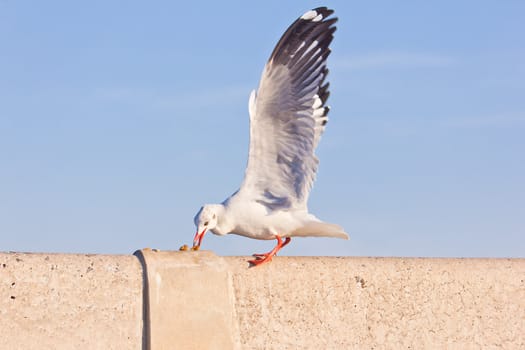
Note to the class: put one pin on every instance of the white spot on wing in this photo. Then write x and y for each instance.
(318, 113)
(318, 18)
(317, 102)
(310, 15)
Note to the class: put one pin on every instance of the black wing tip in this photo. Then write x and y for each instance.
(313, 23)
(304, 48)
(317, 14)
(323, 92)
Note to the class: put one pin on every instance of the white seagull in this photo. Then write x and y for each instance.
(287, 117)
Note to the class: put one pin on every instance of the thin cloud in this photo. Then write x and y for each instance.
(392, 60)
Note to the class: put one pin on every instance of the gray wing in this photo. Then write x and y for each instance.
(288, 114)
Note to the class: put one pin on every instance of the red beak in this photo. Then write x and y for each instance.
(198, 238)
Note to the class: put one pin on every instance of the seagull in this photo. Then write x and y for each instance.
(288, 114)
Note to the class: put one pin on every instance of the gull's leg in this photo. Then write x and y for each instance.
(286, 241)
(262, 258)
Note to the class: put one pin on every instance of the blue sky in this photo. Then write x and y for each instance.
(119, 120)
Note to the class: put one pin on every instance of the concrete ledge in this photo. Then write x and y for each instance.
(198, 300)
(60, 301)
(375, 303)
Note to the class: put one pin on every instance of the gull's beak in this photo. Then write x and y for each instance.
(198, 239)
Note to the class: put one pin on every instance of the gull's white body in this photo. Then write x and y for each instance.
(251, 219)
(287, 117)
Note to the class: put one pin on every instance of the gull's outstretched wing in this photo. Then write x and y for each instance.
(288, 114)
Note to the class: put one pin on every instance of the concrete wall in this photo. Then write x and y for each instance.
(201, 301)
(56, 301)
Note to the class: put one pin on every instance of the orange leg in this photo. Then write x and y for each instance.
(262, 258)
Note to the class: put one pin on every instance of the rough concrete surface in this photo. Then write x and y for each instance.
(196, 300)
(66, 301)
(380, 303)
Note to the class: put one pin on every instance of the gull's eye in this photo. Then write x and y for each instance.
(206, 223)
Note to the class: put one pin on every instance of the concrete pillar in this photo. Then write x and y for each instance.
(189, 301)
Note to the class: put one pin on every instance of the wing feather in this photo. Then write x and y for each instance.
(288, 114)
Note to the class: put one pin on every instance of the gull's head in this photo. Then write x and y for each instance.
(206, 219)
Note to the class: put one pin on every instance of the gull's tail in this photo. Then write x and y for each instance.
(319, 229)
